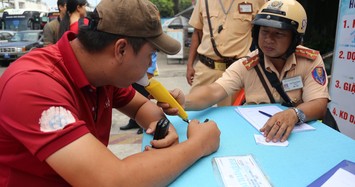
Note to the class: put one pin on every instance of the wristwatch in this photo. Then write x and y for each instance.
(301, 116)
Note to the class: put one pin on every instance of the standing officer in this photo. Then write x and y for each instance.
(222, 35)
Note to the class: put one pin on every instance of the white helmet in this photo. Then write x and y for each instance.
(282, 14)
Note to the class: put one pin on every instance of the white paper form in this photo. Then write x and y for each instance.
(240, 171)
(341, 178)
(258, 120)
(260, 139)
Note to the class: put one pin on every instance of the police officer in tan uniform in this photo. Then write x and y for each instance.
(231, 29)
(277, 32)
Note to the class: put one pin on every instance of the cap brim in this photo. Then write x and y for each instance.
(166, 44)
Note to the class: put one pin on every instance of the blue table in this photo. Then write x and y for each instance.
(309, 154)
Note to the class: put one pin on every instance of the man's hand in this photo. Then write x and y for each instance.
(170, 139)
(206, 135)
(280, 126)
(190, 72)
(179, 97)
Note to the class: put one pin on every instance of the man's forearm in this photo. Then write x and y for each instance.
(314, 109)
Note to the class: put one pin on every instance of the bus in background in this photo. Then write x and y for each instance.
(23, 19)
(54, 13)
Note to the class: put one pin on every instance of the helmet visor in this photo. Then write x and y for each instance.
(275, 22)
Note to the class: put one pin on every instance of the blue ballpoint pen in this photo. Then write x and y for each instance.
(266, 114)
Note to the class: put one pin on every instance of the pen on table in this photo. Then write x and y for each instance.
(266, 114)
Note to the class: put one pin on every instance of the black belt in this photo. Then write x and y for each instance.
(217, 64)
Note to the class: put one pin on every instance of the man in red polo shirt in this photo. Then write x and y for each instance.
(56, 106)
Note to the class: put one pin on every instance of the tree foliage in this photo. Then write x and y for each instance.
(165, 7)
(184, 4)
(168, 8)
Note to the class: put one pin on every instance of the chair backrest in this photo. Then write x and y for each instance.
(239, 98)
(329, 120)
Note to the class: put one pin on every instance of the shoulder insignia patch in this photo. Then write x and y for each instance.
(249, 63)
(306, 53)
(319, 75)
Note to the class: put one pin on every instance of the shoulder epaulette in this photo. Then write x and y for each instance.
(306, 53)
(250, 62)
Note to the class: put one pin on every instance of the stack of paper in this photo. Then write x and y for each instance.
(258, 120)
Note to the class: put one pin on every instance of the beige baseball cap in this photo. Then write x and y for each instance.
(135, 18)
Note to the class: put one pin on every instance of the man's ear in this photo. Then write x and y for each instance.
(120, 47)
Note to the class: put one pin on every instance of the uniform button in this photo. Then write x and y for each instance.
(93, 109)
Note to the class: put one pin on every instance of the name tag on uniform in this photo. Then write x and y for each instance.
(292, 83)
(245, 8)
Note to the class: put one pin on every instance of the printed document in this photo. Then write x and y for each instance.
(239, 171)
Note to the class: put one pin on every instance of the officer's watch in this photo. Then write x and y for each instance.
(301, 116)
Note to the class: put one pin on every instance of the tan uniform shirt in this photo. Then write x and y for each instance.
(243, 75)
(50, 32)
(235, 38)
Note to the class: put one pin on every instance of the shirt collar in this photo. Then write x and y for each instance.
(70, 61)
(290, 63)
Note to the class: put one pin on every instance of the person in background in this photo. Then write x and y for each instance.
(228, 24)
(151, 72)
(74, 16)
(51, 29)
(277, 33)
(56, 106)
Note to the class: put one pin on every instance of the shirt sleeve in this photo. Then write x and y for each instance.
(122, 96)
(196, 16)
(312, 88)
(231, 79)
(48, 35)
(38, 111)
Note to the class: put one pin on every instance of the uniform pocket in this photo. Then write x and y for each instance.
(242, 23)
(213, 17)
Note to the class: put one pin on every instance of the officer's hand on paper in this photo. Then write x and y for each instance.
(279, 126)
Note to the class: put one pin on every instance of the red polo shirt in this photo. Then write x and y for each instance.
(46, 102)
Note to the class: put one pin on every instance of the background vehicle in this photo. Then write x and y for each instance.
(6, 35)
(21, 43)
(52, 15)
(23, 19)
